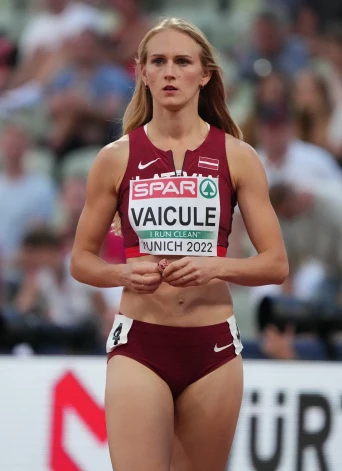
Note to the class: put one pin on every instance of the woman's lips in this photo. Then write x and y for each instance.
(170, 88)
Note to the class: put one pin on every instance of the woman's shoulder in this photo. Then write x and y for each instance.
(238, 146)
(116, 149)
(241, 157)
(114, 154)
(111, 161)
(239, 149)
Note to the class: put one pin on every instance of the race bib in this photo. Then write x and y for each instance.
(176, 215)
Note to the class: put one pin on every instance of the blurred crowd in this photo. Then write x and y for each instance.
(65, 79)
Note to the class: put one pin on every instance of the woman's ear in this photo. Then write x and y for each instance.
(206, 76)
(143, 74)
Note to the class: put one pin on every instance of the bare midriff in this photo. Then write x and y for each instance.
(184, 307)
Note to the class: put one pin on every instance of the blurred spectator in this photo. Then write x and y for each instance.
(333, 53)
(47, 289)
(46, 35)
(272, 49)
(8, 60)
(272, 127)
(86, 97)
(290, 7)
(278, 345)
(327, 11)
(312, 229)
(71, 202)
(26, 199)
(134, 25)
(287, 158)
(112, 297)
(60, 20)
(270, 92)
(307, 25)
(316, 120)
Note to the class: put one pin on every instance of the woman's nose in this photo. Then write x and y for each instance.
(169, 69)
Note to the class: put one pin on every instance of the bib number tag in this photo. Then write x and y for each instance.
(176, 215)
(118, 334)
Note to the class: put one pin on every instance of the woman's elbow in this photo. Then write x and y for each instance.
(74, 266)
(281, 270)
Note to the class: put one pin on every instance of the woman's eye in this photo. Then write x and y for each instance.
(158, 61)
(182, 61)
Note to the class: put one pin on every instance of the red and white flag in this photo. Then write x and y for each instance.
(206, 162)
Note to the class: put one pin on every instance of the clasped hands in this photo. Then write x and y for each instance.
(146, 277)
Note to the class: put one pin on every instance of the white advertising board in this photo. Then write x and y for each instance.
(52, 417)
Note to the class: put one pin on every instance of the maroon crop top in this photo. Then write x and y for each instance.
(147, 162)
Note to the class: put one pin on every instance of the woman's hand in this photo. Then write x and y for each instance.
(190, 271)
(142, 277)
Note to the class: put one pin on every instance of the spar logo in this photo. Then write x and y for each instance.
(176, 187)
(208, 188)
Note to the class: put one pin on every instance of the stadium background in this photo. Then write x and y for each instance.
(66, 74)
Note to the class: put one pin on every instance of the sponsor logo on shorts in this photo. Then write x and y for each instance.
(218, 349)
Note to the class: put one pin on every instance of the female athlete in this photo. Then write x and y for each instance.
(174, 375)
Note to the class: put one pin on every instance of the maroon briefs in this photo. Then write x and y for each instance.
(178, 355)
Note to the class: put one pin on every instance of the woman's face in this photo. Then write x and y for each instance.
(272, 89)
(173, 69)
(307, 95)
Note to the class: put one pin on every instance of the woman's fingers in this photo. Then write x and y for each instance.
(143, 268)
(146, 283)
(146, 279)
(146, 289)
(185, 280)
(187, 271)
(174, 266)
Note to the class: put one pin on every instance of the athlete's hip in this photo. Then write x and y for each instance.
(214, 338)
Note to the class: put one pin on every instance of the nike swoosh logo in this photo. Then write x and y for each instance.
(141, 166)
(218, 349)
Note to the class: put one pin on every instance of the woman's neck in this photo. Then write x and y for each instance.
(176, 125)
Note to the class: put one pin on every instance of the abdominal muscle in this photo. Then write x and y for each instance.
(184, 307)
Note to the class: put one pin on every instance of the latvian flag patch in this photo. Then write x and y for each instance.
(206, 162)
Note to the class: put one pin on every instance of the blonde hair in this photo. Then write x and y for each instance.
(212, 106)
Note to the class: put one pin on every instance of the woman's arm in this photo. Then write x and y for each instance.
(96, 218)
(270, 265)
